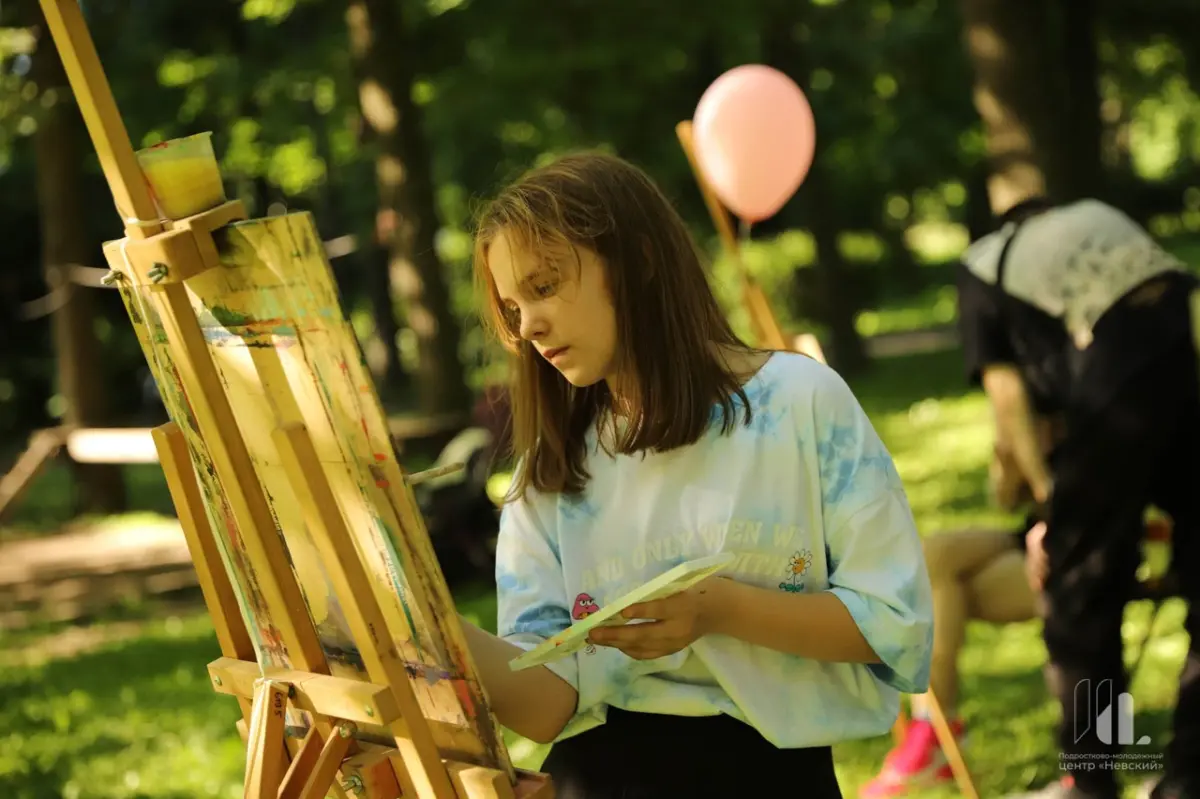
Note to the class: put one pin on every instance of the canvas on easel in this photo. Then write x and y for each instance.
(338, 634)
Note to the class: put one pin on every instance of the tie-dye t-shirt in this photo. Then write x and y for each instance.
(808, 499)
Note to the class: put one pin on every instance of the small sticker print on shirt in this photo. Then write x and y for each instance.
(797, 566)
(584, 606)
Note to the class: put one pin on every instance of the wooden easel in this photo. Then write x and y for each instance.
(947, 742)
(338, 635)
(762, 318)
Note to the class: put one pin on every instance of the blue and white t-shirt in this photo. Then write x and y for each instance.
(808, 499)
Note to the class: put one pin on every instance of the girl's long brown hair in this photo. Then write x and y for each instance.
(667, 319)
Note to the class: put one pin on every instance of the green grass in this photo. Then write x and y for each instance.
(121, 710)
(134, 717)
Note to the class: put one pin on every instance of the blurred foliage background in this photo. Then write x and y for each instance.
(389, 120)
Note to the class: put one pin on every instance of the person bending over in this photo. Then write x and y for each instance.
(1075, 309)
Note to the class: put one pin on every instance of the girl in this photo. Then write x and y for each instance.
(647, 435)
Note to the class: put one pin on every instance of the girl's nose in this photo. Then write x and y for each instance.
(533, 326)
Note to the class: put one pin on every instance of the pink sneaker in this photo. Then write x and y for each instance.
(917, 761)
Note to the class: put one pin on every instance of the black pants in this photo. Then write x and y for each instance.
(650, 756)
(1141, 446)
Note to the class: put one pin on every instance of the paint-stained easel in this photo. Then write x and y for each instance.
(338, 635)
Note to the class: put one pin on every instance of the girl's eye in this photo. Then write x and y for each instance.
(542, 283)
(544, 286)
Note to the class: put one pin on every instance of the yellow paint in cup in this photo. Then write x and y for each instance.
(183, 175)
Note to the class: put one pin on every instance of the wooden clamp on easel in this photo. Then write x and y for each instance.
(338, 635)
(762, 318)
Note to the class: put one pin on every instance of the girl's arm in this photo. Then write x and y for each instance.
(816, 626)
(531, 606)
(534, 702)
(877, 610)
(876, 606)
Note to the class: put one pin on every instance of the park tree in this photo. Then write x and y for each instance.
(61, 146)
(407, 221)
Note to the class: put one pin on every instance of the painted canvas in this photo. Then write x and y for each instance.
(285, 352)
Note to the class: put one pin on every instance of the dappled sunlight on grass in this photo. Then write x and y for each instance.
(1157, 680)
(939, 435)
(135, 717)
(941, 449)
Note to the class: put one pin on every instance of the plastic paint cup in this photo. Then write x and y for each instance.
(183, 175)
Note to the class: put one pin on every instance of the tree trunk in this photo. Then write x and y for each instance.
(846, 351)
(375, 260)
(407, 220)
(59, 151)
(979, 211)
(1007, 44)
(366, 260)
(901, 262)
(1081, 126)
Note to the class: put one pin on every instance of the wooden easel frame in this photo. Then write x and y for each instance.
(157, 256)
(762, 318)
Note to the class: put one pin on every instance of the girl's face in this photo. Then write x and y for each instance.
(560, 303)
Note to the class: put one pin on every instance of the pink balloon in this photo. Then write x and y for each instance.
(754, 136)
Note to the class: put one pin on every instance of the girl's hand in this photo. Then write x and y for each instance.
(675, 622)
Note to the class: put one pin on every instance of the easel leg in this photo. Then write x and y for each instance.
(218, 591)
(326, 765)
(219, 597)
(950, 747)
(421, 761)
(900, 727)
(302, 765)
(264, 753)
(313, 771)
(762, 318)
(215, 586)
